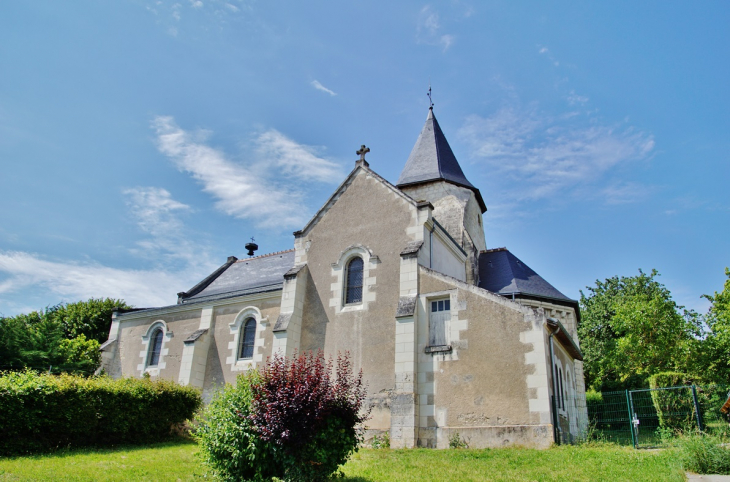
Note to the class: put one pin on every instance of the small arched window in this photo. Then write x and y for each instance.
(246, 340)
(353, 291)
(153, 358)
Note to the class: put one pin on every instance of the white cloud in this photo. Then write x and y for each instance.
(75, 281)
(156, 214)
(267, 191)
(177, 261)
(318, 86)
(196, 4)
(553, 156)
(155, 209)
(296, 160)
(447, 41)
(428, 29)
(624, 193)
(575, 99)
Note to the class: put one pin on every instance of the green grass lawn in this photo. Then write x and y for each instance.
(175, 461)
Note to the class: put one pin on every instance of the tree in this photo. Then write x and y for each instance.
(631, 329)
(64, 337)
(91, 318)
(716, 346)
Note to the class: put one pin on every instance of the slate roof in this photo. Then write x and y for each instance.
(432, 159)
(503, 273)
(245, 276)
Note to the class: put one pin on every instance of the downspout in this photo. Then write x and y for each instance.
(554, 404)
(430, 246)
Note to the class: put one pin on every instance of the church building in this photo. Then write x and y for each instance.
(454, 339)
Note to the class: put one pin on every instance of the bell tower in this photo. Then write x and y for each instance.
(433, 174)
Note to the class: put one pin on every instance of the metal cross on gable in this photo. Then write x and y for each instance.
(363, 150)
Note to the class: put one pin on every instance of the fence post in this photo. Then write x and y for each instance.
(697, 408)
(630, 407)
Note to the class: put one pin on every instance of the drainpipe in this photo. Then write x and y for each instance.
(430, 246)
(554, 404)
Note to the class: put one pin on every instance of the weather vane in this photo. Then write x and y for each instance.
(430, 100)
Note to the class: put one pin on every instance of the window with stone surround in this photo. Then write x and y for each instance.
(246, 339)
(153, 357)
(353, 280)
(439, 315)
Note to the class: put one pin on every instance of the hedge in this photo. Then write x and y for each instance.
(41, 412)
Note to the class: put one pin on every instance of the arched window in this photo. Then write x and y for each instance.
(353, 291)
(246, 340)
(153, 358)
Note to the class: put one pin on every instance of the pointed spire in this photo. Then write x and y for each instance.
(433, 160)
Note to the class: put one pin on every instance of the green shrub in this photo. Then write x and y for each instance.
(310, 411)
(675, 408)
(229, 443)
(42, 411)
(456, 441)
(381, 442)
(296, 419)
(704, 454)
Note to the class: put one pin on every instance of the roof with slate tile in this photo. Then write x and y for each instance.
(503, 273)
(432, 159)
(245, 276)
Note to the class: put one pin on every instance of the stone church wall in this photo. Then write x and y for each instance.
(484, 389)
(225, 367)
(370, 219)
(133, 350)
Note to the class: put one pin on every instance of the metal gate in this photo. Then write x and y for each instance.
(656, 414)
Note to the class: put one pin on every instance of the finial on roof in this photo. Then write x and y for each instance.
(251, 247)
(430, 100)
(363, 150)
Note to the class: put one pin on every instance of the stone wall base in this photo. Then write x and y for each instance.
(530, 436)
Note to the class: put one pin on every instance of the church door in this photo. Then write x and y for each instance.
(438, 319)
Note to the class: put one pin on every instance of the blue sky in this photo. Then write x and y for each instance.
(143, 142)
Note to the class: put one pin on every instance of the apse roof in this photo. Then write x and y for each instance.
(432, 159)
(243, 276)
(502, 272)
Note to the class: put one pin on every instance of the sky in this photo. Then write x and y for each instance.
(143, 142)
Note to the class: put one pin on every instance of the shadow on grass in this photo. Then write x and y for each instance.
(62, 452)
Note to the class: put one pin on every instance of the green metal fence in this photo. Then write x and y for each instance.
(653, 417)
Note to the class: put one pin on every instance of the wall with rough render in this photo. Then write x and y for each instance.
(458, 211)
(491, 388)
(369, 214)
(133, 352)
(222, 365)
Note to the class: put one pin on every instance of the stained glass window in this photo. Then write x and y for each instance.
(155, 348)
(353, 292)
(245, 349)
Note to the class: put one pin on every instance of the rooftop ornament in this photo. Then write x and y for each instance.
(363, 150)
(251, 247)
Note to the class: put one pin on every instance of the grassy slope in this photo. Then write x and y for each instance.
(177, 461)
(559, 463)
(166, 461)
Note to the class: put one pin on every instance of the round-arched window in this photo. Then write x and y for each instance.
(246, 339)
(353, 290)
(153, 357)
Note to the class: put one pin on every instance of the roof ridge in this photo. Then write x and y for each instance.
(493, 250)
(266, 255)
